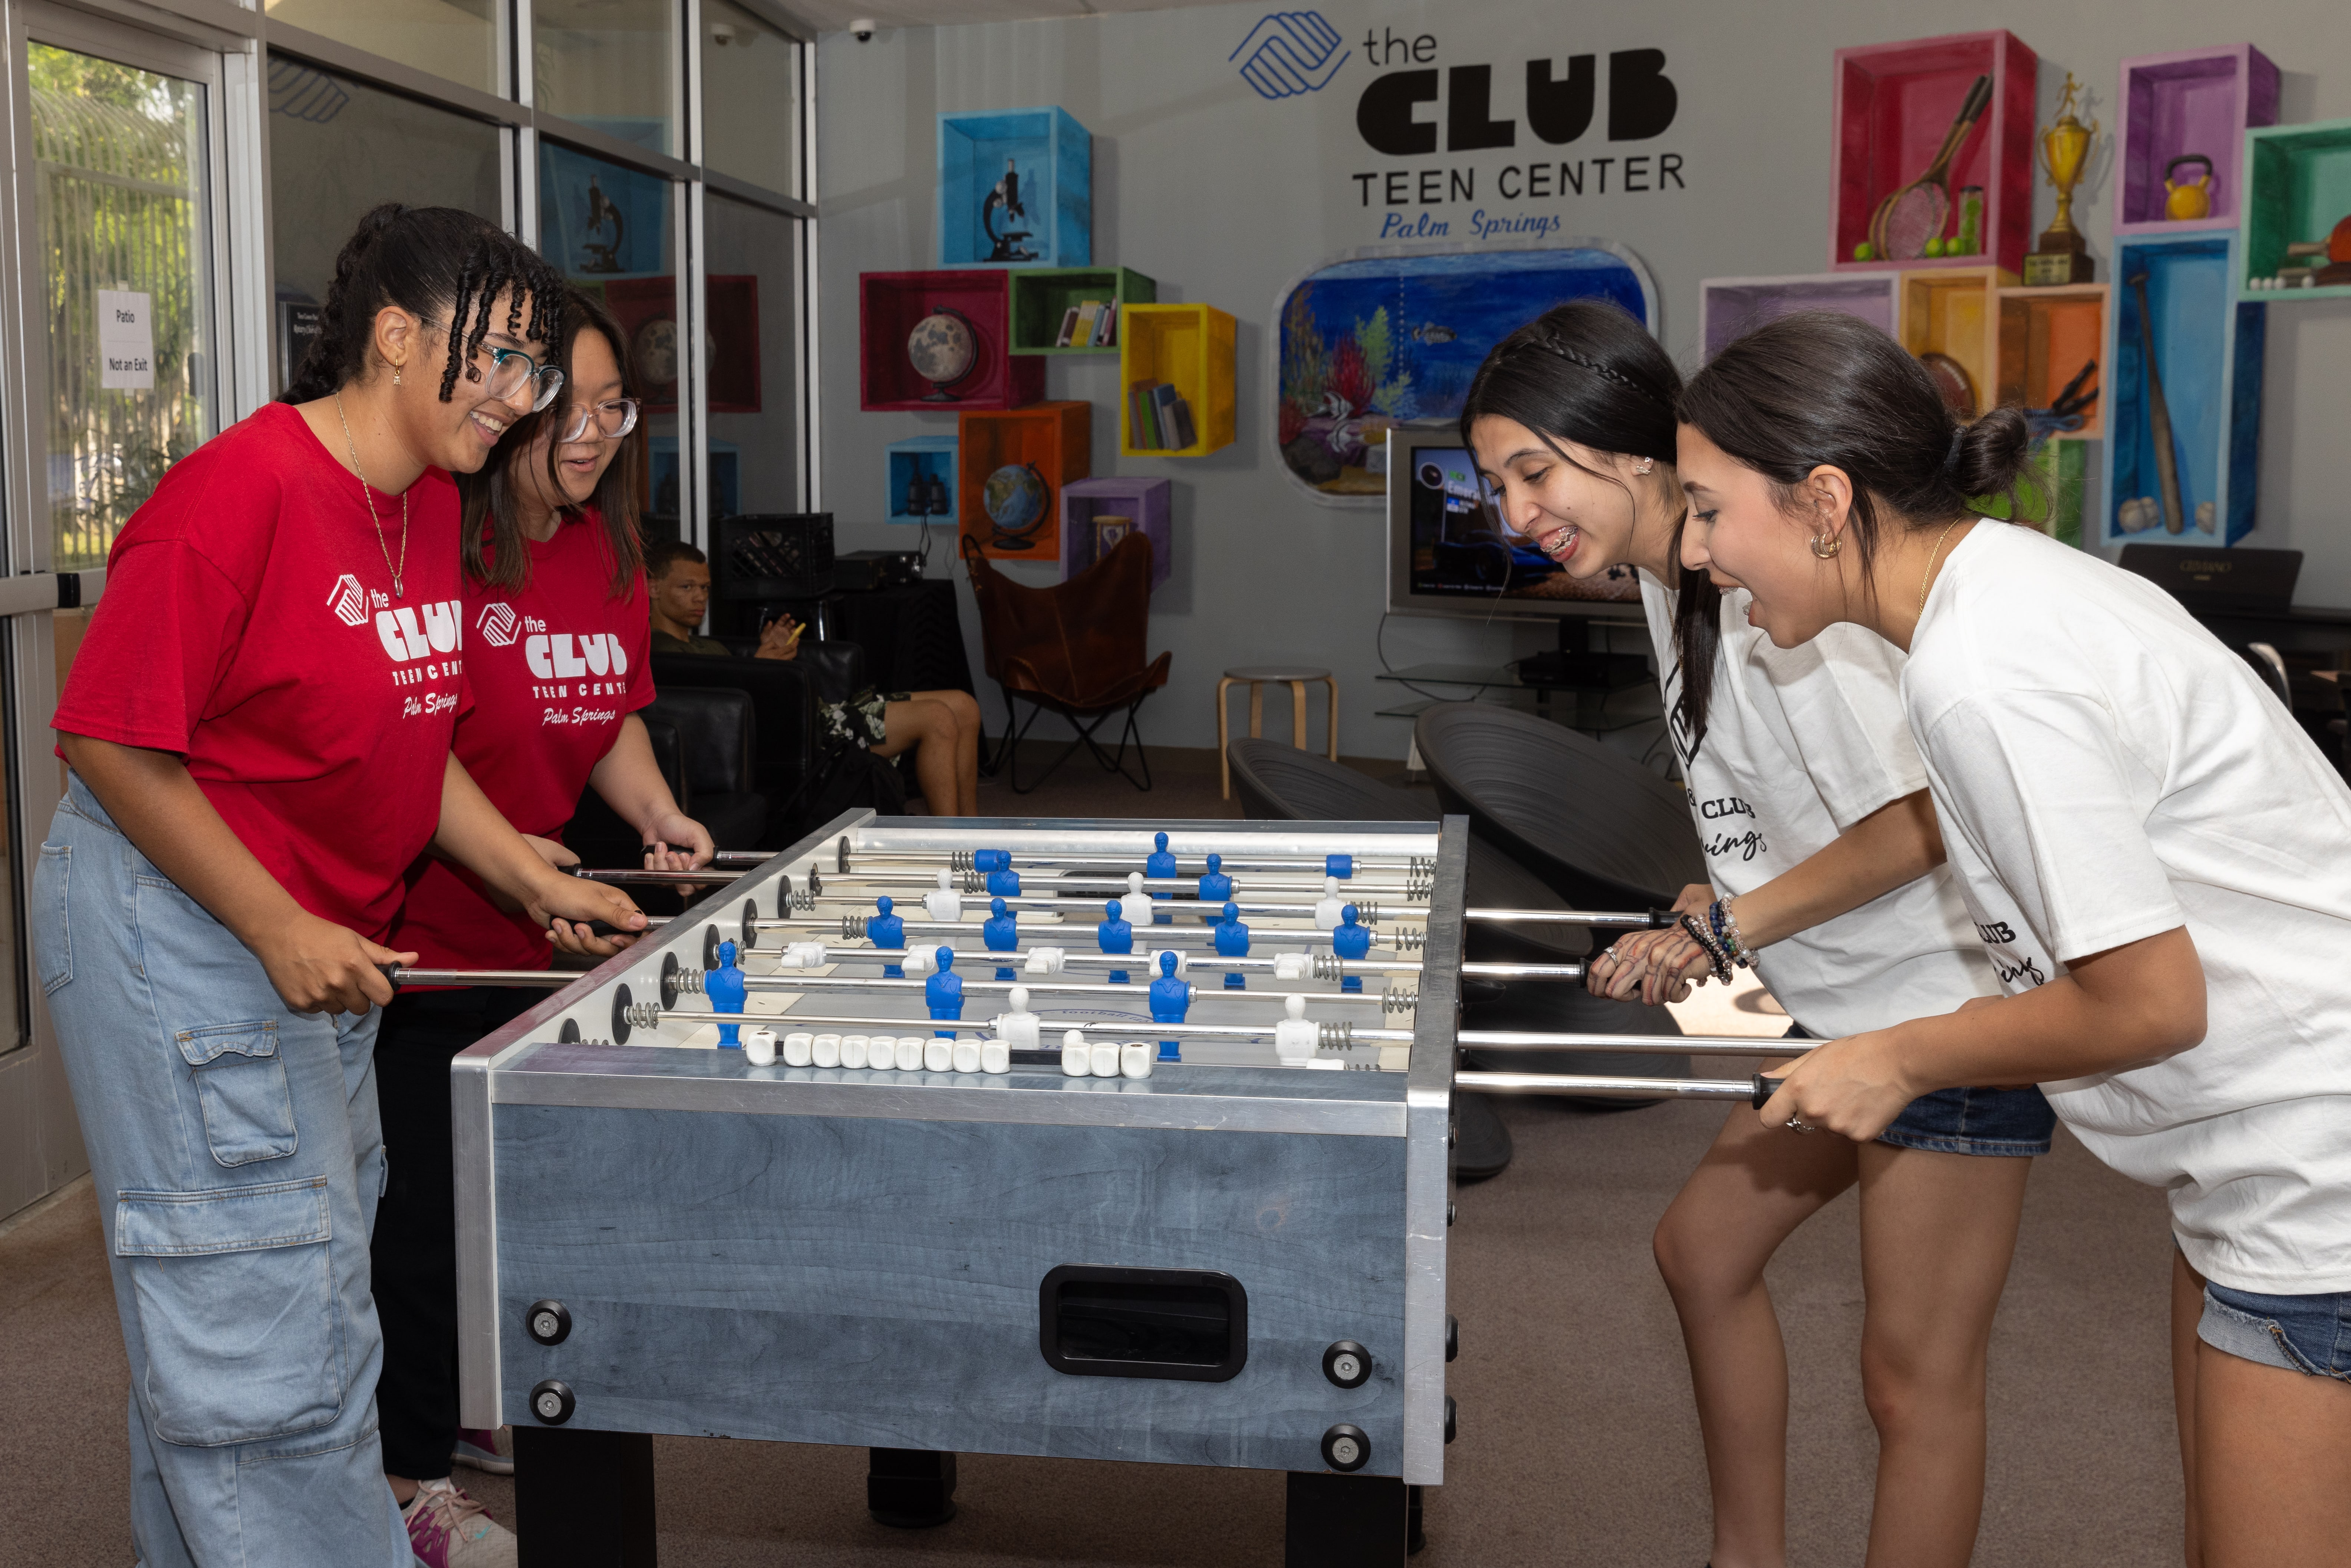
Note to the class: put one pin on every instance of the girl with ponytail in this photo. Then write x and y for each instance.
(258, 729)
(1809, 799)
(2154, 855)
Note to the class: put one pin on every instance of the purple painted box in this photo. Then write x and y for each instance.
(2192, 101)
(1144, 500)
(1731, 307)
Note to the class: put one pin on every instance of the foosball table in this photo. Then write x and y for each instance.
(1071, 1139)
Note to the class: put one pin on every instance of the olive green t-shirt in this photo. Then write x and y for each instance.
(665, 644)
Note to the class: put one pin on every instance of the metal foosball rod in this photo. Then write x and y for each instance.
(1324, 967)
(1756, 1091)
(820, 985)
(852, 929)
(1343, 866)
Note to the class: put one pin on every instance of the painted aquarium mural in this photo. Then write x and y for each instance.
(1368, 342)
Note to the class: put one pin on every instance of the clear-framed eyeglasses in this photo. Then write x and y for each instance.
(605, 421)
(511, 368)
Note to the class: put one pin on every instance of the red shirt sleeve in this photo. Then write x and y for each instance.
(158, 643)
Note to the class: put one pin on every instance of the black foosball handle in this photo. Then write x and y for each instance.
(1764, 1089)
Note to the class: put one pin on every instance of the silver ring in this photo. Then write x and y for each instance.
(1798, 1124)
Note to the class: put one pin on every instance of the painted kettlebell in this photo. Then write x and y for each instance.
(2191, 199)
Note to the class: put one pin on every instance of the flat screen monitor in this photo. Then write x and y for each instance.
(1448, 554)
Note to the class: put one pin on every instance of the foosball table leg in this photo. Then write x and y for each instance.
(1346, 1522)
(583, 1500)
(910, 1489)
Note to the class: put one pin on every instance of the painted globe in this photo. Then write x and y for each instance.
(1015, 497)
(942, 348)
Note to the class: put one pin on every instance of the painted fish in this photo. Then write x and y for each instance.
(1432, 332)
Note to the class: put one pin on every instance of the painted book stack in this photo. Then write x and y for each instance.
(1088, 324)
(1162, 419)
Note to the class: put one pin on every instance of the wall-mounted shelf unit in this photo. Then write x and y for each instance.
(1043, 296)
(1952, 312)
(1146, 502)
(1056, 438)
(2298, 188)
(1051, 156)
(2207, 354)
(1895, 104)
(2190, 102)
(1731, 307)
(2044, 337)
(889, 307)
(929, 460)
(1189, 348)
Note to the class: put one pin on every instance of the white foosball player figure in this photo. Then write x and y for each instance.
(1136, 907)
(1294, 965)
(1045, 961)
(1019, 1030)
(947, 904)
(801, 955)
(1293, 1037)
(921, 961)
(1327, 909)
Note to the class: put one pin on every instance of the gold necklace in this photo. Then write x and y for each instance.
(367, 500)
(1922, 581)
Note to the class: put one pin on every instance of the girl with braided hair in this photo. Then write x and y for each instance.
(258, 731)
(1827, 875)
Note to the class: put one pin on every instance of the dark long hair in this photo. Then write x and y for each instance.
(1587, 371)
(430, 262)
(493, 547)
(1818, 388)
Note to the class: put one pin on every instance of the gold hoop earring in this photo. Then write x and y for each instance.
(1835, 543)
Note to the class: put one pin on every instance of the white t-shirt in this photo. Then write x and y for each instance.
(1801, 744)
(2105, 771)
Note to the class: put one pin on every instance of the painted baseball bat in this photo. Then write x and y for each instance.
(2159, 417)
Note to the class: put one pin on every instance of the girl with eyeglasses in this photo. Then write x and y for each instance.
(1826, 874)
(258, 728)
(557, 629)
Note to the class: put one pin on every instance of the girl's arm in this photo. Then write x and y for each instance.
(475, 835)
(2124, 1008)
(315, 965)
(630, 782)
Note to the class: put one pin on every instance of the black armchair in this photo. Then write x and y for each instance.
(783, 701)
(715, 731)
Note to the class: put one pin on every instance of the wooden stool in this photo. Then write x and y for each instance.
(1257, 677)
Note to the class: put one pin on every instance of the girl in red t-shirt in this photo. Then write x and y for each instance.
(557, 666)
(258, 726)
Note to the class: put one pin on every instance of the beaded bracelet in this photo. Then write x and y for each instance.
(1717, 960)
(1725, 931)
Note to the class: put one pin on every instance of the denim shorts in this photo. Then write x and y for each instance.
(2309, 1334)
(1997, 1122)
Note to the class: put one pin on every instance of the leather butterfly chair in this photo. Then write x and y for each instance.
(1075, 648)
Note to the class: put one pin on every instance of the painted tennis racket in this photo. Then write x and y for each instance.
(1916, 213)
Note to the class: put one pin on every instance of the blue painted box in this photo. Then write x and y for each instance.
(931, 461)
(1042, 159)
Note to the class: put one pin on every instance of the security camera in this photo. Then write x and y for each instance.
(862, 29)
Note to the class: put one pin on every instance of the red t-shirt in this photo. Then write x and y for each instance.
(249, 624)
(552, 668)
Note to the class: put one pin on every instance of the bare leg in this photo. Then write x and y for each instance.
(1753, 1187)
(1936, 1234)
(2272, 1465)
(930, 728)
(2187, 1309)
(965, 709)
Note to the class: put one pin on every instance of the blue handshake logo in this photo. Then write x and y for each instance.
(1289, 53)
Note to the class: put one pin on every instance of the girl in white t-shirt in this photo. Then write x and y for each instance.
(2153, 854)
(1809, 801)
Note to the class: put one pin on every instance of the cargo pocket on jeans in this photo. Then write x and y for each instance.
(241, 1089)
(236, 1306)
(52, 936)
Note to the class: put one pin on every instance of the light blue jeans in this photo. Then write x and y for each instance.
(238, 1157)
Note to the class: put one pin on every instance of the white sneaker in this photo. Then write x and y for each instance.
(446, 1528)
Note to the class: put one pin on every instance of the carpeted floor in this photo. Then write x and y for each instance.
(1577, 1443)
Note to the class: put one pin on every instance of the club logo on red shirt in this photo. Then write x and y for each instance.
(552, 658)
(349, 600)
(497, 624)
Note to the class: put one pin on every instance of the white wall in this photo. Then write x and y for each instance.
(1225, 197)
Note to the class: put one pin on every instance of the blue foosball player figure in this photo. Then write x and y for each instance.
(1001, 933)
(943, 992)
(1159, 865)
(725, 988)
(1351, 942)
(1232, 942)
(887, 930)
(1114, 936)
(1170, 1000)
(1004, 883)
(1214, 885)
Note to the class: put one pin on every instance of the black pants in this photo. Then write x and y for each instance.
(415, 1250)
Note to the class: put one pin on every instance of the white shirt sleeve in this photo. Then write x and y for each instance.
(2047, 793)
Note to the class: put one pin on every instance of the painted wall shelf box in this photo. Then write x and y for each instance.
(1953, 313)
(1015, 189)
(2208, 357)
(929, 461)
(2185, 115)
(1187, 349)
(2045, 338)
(1145, 503)
(1731, 307)
(1895, 104)
(1043, 296)
(891, 305)
(2298, 195)
(1055, 439)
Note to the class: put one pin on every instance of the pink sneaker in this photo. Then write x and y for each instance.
(446, 1528)
(481, 1450)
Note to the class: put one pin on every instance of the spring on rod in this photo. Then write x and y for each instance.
(1400, 1000)
(852, 927)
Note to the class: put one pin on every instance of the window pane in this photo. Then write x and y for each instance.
(338, 147)
(750, 99)
(609, 227)
(127, 288)
(754, 339)
(453, 38)
(610, 64)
